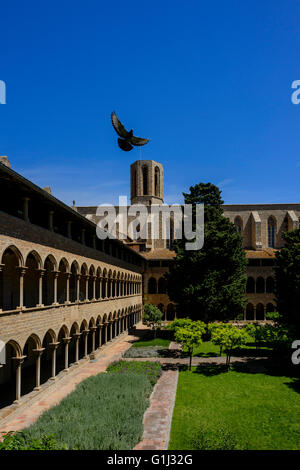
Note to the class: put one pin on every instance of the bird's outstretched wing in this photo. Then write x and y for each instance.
(138, 141)
(118, 126)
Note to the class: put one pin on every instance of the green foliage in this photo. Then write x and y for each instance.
(275, 316)
(229, 337)
(104, 412)
(190, 336)
(19, 441)
(213, 438)
(255, 330)
(179, 322)
(152, 370)
(287, 276)
(152, 316)
(209, 284)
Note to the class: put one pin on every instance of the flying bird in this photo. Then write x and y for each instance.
(127, 140)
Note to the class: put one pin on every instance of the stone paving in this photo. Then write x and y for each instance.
(16, 417)
(158, 417)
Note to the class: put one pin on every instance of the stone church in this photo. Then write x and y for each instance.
(65, 294)
(261, 227)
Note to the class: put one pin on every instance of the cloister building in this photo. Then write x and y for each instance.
(261, 227)
(63, 292)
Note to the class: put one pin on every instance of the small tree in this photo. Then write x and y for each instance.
(190, 336)
(255, 330)
(230, 337)
(152, 317)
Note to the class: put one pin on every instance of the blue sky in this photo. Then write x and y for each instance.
(208, 82)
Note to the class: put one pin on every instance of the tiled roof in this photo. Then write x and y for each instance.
(266, 253)
(160, 253)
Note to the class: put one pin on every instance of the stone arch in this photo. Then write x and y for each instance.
(260, 311)
(250, 286)
(16, 252)
(270, 285)
(238, 222)
(152, 286)
(260, 285)
(249, 311)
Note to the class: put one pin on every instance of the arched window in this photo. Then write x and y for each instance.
(270, 308)
(271, 232)
(270, 284)
(134, 191)
(157, 181)
(260, 312)
(145, 180)
(162, 287)
(250, 287)
(152, 286)
(238, 224)
(260, 285)
(249, 312)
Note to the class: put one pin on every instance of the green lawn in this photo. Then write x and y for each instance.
(104, 412)
(209, 349)
(259, 411)
(143, 343)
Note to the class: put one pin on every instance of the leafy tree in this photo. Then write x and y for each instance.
(287, 276)
(209, 284)
(152, 317)
(179, 322)
(230, 337)
(190, 336)
(255, 330)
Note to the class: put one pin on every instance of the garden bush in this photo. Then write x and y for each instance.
(104, 412)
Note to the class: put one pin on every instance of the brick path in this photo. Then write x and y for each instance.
(158, 417)
(16, 417)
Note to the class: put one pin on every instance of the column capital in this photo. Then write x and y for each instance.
(19, 359)
(67, 340)
(22, 270)
(54, 345)
(39, 351)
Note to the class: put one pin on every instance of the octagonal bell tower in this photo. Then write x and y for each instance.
(146, 182)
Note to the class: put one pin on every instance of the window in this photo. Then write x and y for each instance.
(157, 182)
(238, 224)
(152, 286)
(145, 180)
(271, 232)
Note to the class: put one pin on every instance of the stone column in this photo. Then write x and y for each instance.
(100, 335)
(38, 353)
(100, 292)
(87, 287)
(67, 341)
(1, 287)
(77, 339)
(254, 311)
(55, 276)
(19, 361)
(22, 271)
(106, 287)
(68, 275)
(93, 329)
(94, 288)
(86, 332)
(116, 327)
(111, 327)
(105, 332)
(54, 347)
(41, 273)
(265, 311)
(78, 277)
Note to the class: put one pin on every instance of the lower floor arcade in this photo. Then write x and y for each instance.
(43, 358)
